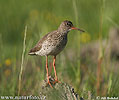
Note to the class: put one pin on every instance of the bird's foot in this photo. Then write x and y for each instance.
(49, 84)
(56, 81)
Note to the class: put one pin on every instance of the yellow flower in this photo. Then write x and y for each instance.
(7, 62)
(7, 72)
(85, 37)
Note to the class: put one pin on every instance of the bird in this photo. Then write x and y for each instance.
(52, 44)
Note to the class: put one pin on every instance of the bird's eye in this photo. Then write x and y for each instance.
(68, 24)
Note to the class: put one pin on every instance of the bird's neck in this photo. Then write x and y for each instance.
(63, 32)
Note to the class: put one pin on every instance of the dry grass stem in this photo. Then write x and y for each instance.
(22, 62)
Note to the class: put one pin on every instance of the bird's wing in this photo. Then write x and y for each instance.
(40, 42)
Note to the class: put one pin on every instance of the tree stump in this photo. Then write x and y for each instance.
(60, 91)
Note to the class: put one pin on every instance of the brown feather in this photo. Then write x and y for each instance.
(39, 44)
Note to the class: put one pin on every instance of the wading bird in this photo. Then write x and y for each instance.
(53, 43)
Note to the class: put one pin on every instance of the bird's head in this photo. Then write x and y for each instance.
(66, 26)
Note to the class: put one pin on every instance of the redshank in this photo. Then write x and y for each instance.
(53, 43)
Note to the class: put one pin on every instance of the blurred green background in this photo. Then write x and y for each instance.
(41, 17)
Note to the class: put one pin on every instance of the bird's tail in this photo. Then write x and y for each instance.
(31, 52)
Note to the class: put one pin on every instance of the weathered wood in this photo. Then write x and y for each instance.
(60, 91)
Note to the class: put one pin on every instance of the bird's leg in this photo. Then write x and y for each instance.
(50, 69)
(47, 72)
(56, 79)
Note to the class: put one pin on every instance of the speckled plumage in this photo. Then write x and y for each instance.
(54, 42)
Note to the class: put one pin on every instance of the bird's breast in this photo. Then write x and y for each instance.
(58, 45)
(53, 46)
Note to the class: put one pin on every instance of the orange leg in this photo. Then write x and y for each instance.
(56, 79)
(47, 72)
(50, 69)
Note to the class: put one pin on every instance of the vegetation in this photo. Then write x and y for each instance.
(41, 17)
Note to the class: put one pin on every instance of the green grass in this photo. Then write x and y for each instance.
(42, 16)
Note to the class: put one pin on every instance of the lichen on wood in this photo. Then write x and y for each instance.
(60, 91)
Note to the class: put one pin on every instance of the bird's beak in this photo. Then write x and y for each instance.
(74, 28)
